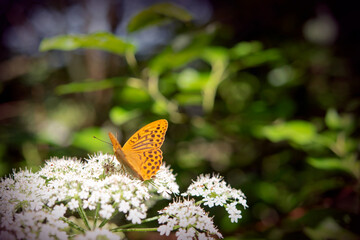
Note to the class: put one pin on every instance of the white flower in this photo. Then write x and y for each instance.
(98, 234)
(135, 216)
(164, 182)
(234, 213)
(22, 215)
(36, 205)
(165, 230)
(68, 178)
(215, 192)
(190, 219)
(124, 206)
(106, 211)
(84, 194)
(32, 205)
(59, 211)
(73, 204)
(35, 225)
(163, 218)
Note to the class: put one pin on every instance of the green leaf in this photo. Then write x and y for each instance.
(120, 115)
(88, 86)
(258, 58)
(299, 132)
(205, 129)
(245, 48)
(84, 139)
(332, 119)
(188, 99)
(101, 40)
(161, 62)
(215, 54)
(267, 192)
(159, 108)
(335, 121)
(181, 52)
(349, 165)
(157, 14)
(133, 95)
(192, 80)
(326, 163)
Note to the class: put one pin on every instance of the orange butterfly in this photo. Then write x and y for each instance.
(141, 154)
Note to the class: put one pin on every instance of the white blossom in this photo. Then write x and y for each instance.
(34, 205)
(135, 216)
(164, 182)
(73, 204)
(59, 210)
(22, 216)
(72, 178)
(98, 234)
(191, 221)
(106, 211)
(165, 229)
(215, 192)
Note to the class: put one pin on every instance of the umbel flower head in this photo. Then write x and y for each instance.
(215, 192)
(190, 221)
(71, 185)
(22, 211)
(43, 205)
(86, 184)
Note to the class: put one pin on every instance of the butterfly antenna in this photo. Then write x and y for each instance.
(101, 140)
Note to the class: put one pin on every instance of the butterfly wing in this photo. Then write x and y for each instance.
(143, 148)
(131, 166)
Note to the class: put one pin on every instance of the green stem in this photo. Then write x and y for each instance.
(135, 230)
(171, 107)
(199, 202)
(143, 221)
(216, 77)
(96, 215)
(131, 60)
(106, 220)
(73, 225)
(83, 216)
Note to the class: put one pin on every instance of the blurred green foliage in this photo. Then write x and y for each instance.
(263, 117)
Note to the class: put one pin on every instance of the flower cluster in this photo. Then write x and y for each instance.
(86, 184)
(22, 215)
(215, 192)
(33, 205)
(82, 184)
(190, 220)
(164, 182)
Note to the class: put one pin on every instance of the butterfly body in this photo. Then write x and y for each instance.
(141, 154)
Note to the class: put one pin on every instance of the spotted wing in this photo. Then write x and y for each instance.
(144, 148)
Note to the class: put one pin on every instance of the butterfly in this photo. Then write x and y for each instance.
(141, 154)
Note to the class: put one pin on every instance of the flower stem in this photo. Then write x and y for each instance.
(199, 202)
(134, 230)
(216, 77)
(83, 216)
(170, 106)
(73, 225)
(131, 224)
(96, 215)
